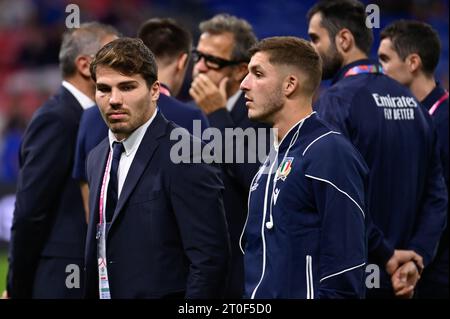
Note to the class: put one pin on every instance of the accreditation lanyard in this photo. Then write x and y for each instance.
(365, 68)
(164, 90)
(104, 292)
(438, 103)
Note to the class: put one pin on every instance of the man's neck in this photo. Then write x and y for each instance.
(290, 116)
(87, 87)
(353, 56)
(166, 76)
(421, 86)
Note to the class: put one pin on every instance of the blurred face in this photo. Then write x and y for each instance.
(263, 89)
(104, 41)
(332, 60)
(392, 64)
(124, 101)
(215, 46)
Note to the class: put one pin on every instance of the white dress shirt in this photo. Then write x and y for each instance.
(232, 100)
(84, 100)
(131, 144)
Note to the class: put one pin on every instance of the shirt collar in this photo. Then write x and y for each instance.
(134, 140)
(433, 96)
(286, 140)
(232, 100)
(85, 101)
(340, 74)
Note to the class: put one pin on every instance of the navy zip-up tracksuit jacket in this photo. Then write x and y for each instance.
(434, 281)
(407, 197)
(305, 232)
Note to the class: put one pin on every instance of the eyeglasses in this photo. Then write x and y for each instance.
(212, 62)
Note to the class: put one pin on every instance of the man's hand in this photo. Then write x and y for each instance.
(4, 295)
(207, 95)
(405, 279)
(401, 257)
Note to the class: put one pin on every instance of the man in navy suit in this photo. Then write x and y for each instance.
(157, 229)
(171, 45)
(221, 60)
(48, 231)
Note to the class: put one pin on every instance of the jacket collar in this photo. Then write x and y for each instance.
(288, 138)
(144, 154)
(341, 73)
(145, 151)
(433, 96)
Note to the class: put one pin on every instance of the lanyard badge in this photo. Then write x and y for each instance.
(104, 291)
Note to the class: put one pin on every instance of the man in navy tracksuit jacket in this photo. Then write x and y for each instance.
(407, 196)
(305, 232)
(409, 53)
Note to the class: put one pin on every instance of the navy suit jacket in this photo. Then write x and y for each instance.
(237, 178)
(49, 216)
(93, 129)
(168, 236)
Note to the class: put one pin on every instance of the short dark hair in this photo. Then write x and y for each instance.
(129, 56)
(295, 52)
(244, 37)
(85, 40)
(409, 37)
(165, 38)
(348, 14)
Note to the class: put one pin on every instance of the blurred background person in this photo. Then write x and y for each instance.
(407, 196)
(220, 64)
(409, 53)
(48, 230)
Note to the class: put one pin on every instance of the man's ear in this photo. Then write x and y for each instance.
(182, 61)
(344, 40)
(154, 90)
(240, 71)
(82, 63)
(414, 62)
(290, 84)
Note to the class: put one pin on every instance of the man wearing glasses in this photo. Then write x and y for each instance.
(220, 64)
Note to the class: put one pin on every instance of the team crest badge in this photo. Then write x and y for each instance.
(285, 168)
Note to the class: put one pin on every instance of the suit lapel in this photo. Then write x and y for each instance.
(71, 102)
(97, 179)
(143, 156)
(95, 187)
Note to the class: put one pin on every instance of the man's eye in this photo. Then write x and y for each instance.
(103, 89)
(127, 88)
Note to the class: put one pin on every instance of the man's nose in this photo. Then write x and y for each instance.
(201, 66)
(116, 97)
(244, 84)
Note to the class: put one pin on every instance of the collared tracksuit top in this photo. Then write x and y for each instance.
(305, 231)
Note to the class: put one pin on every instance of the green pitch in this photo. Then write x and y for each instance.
(3, 269)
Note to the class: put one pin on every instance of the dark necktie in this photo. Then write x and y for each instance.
(112, 196)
